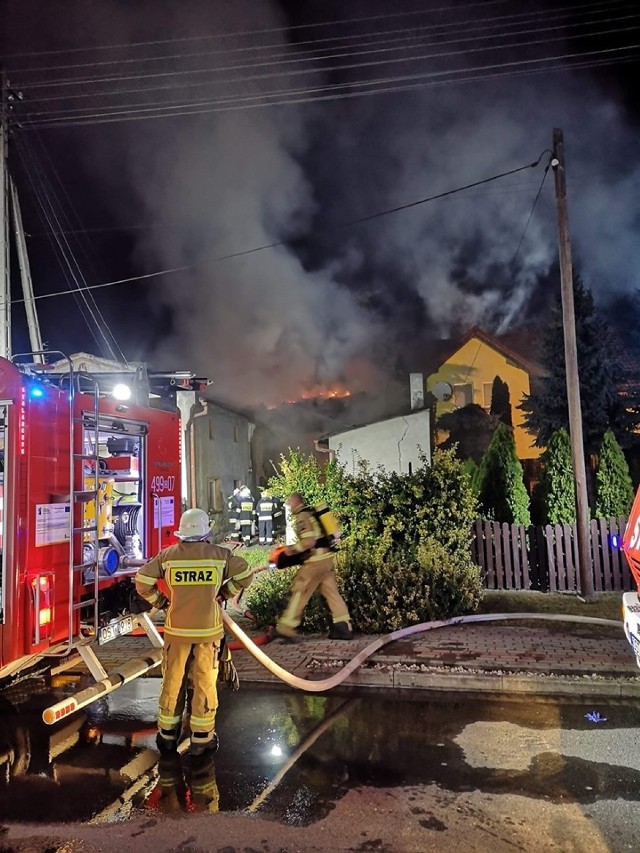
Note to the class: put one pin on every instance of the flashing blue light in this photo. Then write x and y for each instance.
(615, 541)
(35, 392)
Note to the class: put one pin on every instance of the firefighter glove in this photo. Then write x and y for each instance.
(227, 672)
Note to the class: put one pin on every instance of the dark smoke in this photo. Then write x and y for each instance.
(352, 304)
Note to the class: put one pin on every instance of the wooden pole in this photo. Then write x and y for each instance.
(571, 359)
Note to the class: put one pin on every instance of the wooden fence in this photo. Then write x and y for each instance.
(546, 558)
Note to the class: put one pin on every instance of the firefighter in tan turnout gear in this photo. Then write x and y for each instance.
(316, 573)
(197, 575)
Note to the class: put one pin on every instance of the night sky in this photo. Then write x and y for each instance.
(153, 136)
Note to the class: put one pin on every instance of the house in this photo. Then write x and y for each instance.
(465, 375)
(395, 443)
(217, 455)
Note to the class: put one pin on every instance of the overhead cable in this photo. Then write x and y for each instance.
(276, 244)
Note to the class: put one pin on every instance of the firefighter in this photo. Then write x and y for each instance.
(233, 507)
(245, 515)
(264, 509)
(317, 572)
(198, 575)
(279, 521)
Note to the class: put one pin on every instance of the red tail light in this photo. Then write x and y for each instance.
(41, 588)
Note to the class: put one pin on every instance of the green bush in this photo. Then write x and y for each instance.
(254, 556)
(386, 593)
(268, 595)
(614, 489)
(503, 496)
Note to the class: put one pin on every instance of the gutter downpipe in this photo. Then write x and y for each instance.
(192, 452)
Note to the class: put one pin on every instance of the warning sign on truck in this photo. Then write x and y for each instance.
(53, 523)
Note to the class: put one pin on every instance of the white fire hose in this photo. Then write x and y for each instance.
(372, 648)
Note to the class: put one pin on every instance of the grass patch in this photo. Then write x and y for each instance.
(604, 605)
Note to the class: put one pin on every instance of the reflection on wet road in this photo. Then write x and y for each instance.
(291, 756)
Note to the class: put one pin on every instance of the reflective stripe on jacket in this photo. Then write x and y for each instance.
(195, 574)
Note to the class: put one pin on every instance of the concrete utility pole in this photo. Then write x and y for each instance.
(571, 360)
(5, 289)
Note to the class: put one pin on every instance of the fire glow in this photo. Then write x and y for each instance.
(320, 392)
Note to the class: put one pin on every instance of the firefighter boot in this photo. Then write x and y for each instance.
(167, 741)
(202, 743)
(341, 631)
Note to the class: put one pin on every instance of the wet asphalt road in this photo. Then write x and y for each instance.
(292, 757)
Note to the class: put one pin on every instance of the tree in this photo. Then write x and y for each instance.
(470, 429)
(503, 495)
(501, 401)
(601, 376)
(614, 489)
(557, 485)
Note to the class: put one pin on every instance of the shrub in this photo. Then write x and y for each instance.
(268, 595)
(503, 495)
(254, 556)
(614, 489)
(558, 485)
(388, 592)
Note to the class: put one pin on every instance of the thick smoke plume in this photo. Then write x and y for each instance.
(338, 302)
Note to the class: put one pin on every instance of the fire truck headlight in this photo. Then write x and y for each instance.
(121, 391)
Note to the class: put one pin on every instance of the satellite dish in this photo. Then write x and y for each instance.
(442, 391)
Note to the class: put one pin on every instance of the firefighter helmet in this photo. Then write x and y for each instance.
(194, 525)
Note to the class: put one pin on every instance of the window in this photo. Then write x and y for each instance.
(487, 387)
(215, 495)
(462, 395)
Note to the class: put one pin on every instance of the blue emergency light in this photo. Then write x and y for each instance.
(36, 392)
(615, 541)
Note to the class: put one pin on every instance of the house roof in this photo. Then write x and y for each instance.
(400, 414)
(510, 345)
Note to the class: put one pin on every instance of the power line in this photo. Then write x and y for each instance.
(213, 82)
(403, 34)
(331, 68)
(385, 85)
(278, 243)
(266, 30)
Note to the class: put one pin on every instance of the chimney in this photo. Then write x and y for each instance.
(416, 390)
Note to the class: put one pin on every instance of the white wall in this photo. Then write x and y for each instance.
(393, 444)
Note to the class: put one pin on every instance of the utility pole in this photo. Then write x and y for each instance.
(571, 361)
(33, 325)
(5, 288)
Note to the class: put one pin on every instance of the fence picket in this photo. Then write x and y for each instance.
(546, 558)
(524, 574)
(603, 541)
(505, 542)
(597, 561)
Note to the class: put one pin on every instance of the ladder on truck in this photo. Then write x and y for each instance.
(84, 452)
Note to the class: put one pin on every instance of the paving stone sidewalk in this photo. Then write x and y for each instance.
(522, 657)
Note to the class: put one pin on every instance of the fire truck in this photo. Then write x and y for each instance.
(631, 600)
(89, 489)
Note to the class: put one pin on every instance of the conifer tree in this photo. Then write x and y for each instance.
(503, 495)
(601, 376)
(470, 429)
(558, 487)
(501, 401)
(614, 489)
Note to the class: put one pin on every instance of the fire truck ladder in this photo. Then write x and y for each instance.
(84, 535)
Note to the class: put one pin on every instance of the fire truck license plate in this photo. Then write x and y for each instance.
(114, 629)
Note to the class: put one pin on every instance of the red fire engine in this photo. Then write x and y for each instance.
(89, 489)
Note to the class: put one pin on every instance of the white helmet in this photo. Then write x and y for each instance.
(194, 525)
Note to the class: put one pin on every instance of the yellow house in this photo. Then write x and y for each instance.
(466, 376)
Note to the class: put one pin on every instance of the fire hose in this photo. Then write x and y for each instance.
(134, 669)
(378, 643)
